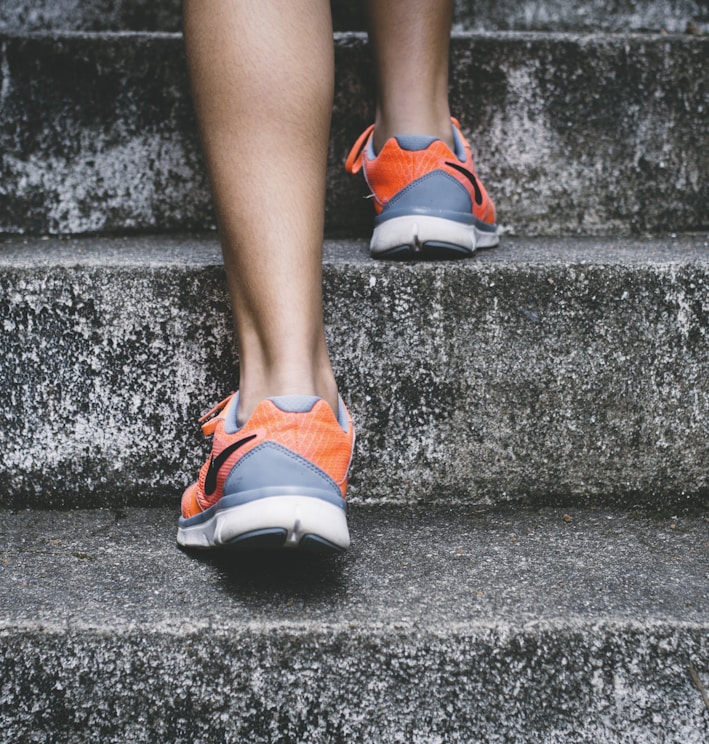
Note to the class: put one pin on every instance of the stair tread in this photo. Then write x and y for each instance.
(438, 625)
(202, 250)
(409, 570)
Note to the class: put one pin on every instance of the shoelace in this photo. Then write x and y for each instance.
(353, 164)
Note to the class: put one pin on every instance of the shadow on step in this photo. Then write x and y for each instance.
(271, 574)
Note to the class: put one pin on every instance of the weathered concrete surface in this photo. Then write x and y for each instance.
(577, 15)
(438, 626)
(566, 371)
(97, 133)
(479, 15)
(573, 134)
(97, 15)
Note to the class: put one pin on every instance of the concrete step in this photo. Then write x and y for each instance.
(438, 626)
(591, 134)
(479, 15)
(553, 371)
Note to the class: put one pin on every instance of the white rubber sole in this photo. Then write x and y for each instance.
(416, 231)
(275, 521)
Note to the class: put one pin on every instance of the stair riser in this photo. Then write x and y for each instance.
(552, 15)
(489, 380)
(610, 683)
(573, 135)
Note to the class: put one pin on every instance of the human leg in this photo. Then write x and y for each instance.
(262, 78)
(428, 199)
(411, 40)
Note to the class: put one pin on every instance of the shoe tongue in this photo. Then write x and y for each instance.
(414, 142)
(295, 403)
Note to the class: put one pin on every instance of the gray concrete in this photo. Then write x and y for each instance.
(481, 15)
(572, 134)
(552, 371)
(579, 15)
(97, 15)
(438, 626)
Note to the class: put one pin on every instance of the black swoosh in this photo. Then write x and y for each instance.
(471, 178)
(210, 482)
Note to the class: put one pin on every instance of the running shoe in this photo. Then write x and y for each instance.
(278, 481)
(429, 202)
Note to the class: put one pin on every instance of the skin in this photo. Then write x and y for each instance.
(411, 40)
(262, 75)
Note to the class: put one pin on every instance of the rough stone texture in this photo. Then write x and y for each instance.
(592, 15)
(97, 133)
(106, 361)
(590, 125)
(480, 15)
(574, 134)
(438, 626)
(97, 15)
(553, 371)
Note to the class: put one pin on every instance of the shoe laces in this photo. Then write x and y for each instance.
(353, 164)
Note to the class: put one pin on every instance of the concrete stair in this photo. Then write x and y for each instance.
(574, 134)
(440, 625)
(531, 489)
(571, 370)
(483, 15)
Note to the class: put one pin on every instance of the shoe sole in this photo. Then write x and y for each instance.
(429, 238)
(274, 522)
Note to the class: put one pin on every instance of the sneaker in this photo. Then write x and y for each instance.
(428, 200)
(278, 481)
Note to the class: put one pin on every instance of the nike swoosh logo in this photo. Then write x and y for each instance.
(471, 178)
(215, 463)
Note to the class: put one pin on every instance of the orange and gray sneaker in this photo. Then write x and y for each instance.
(429, 202)
(278, 481)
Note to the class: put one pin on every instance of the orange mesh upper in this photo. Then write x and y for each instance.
(393, 169)
(316, 436)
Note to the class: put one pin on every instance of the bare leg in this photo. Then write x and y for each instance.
(411, 40)
(262, 77)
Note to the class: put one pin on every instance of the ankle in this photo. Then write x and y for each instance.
(321, 384)
(439, 127)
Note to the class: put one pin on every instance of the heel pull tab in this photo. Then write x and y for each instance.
(353, 164)
(210, 419)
